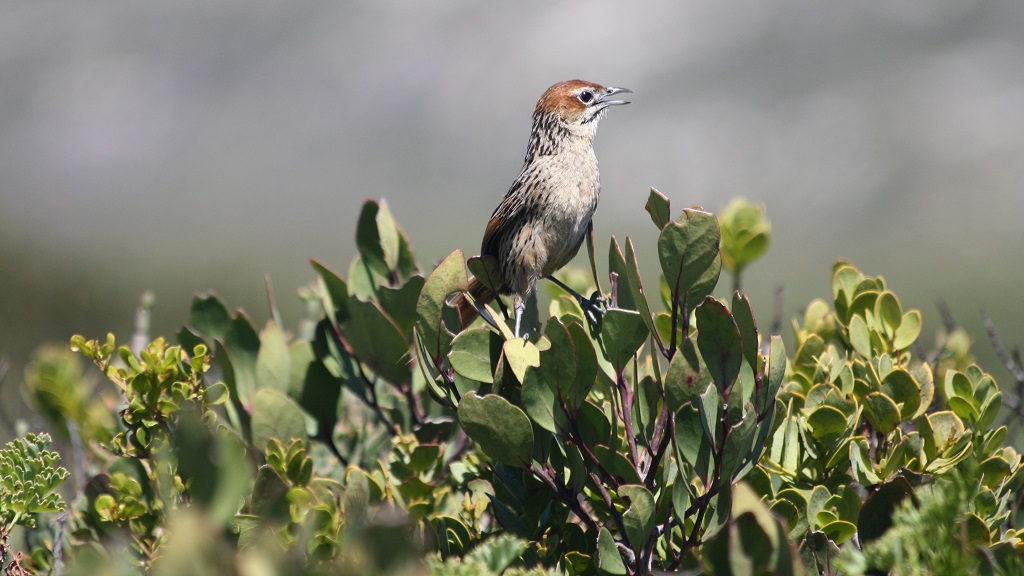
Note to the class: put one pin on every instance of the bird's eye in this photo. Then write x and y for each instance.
(586, 96)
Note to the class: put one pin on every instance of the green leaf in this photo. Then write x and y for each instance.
(860, 338)
(502, 430)
(453, 536)
(475, 354)
(377, 341)
(903, 389)
(214, 467)
(424, 457)
(487, 270)
(776, 371)
(888, 313)
(738, 444)
(400, 303)
(964, 409)
(861, 466)
(617, 264)
(268, 496)
(718, 339)
(29, 478)
(609, 562)
(806, 359)
(761, 535)
(839, 531)
(558, 362)
(687, 377)
(680, 498)
(275, 415)
(617, 464)
(520, 354)
(636, 288)
(498, 553)
(638, 519)
(706, 282)
(957, 384)
(364, 280)
(694, 444)
(209, 317)
(816, 502)
(315, 388)
(881, 412)
(623, 332)
(586, 364)
(687, 248)
(242, 344)
(368, 238)
(273, 364)
(334, 292)
(744, 317)
(594, 426)
(658, 207)
(989, 410)
(448, 277)
(946, 428)
(909, 330)
(785, 448)
(826, 423)
(745, 233)
(863, 305)
(539, 401)
(710, 407)
(389, 235)
(876, 513)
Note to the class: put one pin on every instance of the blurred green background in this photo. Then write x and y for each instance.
(189, 145)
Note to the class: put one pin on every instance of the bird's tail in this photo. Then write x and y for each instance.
(467, 307)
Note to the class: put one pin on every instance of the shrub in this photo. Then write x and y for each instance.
(669, 432)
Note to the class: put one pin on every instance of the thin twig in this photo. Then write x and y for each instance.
(567, 497)
(616, 515)
(371, 400)
(1008, 360)
(659, 442)
(946, 314)
(776, 326)
(577, 438)
(626, 396)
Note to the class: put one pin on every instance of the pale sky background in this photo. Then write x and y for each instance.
(192, 145)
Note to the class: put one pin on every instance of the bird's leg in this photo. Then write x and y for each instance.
(592, 306)
(520, 307)
(504, 309)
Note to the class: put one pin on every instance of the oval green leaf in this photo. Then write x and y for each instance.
(474, 354)
(623, 332)
(502, 430)
(719, 342)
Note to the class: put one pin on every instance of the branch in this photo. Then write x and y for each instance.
(576, 438)
(1008, 360)
(616, 515)
(948, 322)
(626, 395)
(663, 430)
(371, 401)
(567, 497)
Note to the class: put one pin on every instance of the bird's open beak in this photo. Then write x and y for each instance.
(611, 91)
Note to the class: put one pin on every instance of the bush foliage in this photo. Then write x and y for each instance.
(671, 432)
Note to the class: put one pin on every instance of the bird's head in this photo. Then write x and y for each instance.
(577, 104)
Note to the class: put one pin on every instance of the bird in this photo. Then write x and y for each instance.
(542, 220)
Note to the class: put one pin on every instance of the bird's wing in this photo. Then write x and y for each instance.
(504, 217)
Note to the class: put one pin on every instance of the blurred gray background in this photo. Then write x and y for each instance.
(193, 145)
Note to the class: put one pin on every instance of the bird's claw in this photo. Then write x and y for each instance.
(593, 308)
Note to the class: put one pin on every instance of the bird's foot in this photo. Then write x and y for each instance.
(593, 308)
